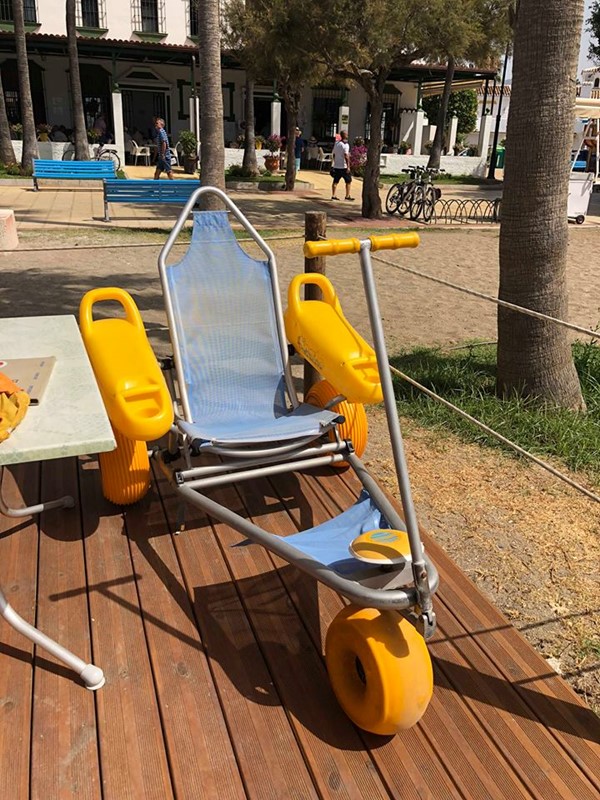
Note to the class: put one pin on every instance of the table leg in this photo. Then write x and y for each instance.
(92, 676)
(28, 511)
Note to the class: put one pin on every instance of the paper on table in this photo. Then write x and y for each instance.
(30, 374)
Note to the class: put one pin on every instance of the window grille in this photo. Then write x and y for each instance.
(326, 106)
(29, 11)
(149, 16)
(91, 14)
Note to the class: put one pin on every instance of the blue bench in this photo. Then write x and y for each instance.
(148, 192)
(71, 170)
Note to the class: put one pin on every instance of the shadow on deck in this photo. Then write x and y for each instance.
(216, 684)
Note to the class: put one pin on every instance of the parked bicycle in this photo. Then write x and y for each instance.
(417, 196)
(102, 153)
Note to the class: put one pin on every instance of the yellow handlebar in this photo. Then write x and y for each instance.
(394, 241)
(331, 247)
(335, 247)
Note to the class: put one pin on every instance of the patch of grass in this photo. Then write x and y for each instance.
(456, 179)
(591, 647)
(467, 379)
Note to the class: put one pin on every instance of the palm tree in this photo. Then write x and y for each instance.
(82, 151)
(249, 163)
(30, 149)
(534, 357)
(7, 154)
(212, 151)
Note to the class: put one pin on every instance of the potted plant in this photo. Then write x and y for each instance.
(258, 142)
(93, 135)
(16, 131)
(43, 131)
(189, 147)
(404, 148)
(273, 145)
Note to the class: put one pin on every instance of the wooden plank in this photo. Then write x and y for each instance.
(267, 751)
(544, 696)
(64, 760)
(485, 679)
(133, 760)
(478, 751)
(332, 748)
(18, 576)
(425, 748)
(201, 757)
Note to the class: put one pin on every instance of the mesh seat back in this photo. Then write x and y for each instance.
(226, 325)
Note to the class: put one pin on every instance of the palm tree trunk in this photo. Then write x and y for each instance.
(82, 152)
(7, 153)
(249, 163)
(291, 98)
(534, 357)
(30, 149)
(438, 140)
(212, 152)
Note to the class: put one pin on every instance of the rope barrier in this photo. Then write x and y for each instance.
(138, 244)
(504, 303)
(557, 473)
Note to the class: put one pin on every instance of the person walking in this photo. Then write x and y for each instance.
(163, 160)
(341, 166)
(298, 149)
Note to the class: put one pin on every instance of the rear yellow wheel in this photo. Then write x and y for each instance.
(125, 471)
(354, 428)
(380, 669)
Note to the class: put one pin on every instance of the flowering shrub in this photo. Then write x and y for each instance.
(93, 135)
(358, 159)
(43, 127)
(273, 143)
(16, 130)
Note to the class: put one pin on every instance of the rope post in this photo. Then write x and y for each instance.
(315, 228)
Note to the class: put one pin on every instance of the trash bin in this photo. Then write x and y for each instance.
(581, 185)
(500, 157)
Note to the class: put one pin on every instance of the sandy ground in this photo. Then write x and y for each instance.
(529, 541)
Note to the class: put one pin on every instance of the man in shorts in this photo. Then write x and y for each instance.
(341, 165)
(163, 162)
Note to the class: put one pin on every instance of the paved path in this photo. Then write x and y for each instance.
(81, 206)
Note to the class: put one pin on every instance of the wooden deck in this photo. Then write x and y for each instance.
(216, 684)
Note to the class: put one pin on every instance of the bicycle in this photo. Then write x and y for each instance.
(416, 197)
(102, 153)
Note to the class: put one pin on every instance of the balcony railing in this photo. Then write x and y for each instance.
(29, 11)
(91, 14)
(148, 16)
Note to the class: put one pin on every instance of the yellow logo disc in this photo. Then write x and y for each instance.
(381, 547)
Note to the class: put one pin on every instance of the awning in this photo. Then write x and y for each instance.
(431, 89)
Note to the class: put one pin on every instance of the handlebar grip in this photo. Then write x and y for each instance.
(394, 241)
(331, 247)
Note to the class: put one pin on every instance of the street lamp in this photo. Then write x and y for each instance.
(494, 154)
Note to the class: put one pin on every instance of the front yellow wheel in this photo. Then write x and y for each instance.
(354, 428)
(380, 669)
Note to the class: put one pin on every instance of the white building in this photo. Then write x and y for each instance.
(138, 59)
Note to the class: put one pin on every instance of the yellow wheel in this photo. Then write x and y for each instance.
(354, 428)
(125, 471)
(379, 668)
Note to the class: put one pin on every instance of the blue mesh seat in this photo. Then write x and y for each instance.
(230, 346)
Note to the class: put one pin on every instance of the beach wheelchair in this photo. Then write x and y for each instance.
(238, 417)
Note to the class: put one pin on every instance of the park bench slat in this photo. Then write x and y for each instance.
(147, 192)
(71, 170)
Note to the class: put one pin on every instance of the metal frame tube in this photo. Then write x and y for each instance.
(412, 527)
(355, 592)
